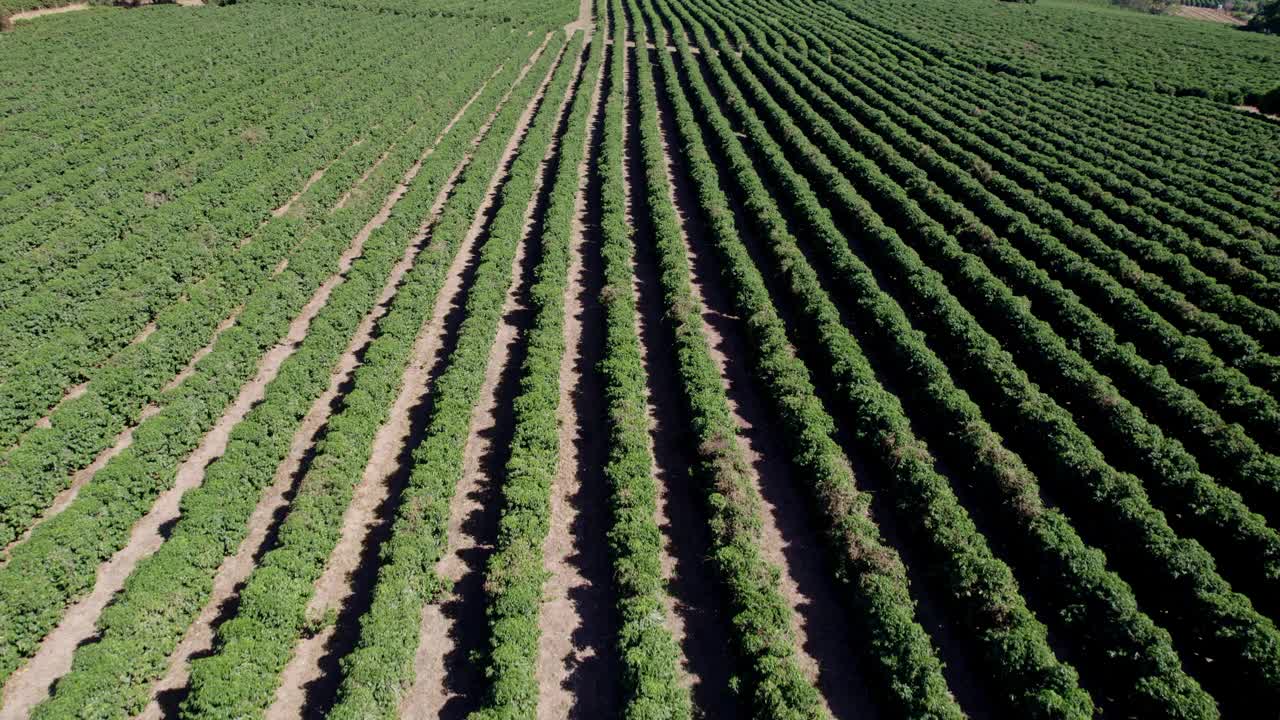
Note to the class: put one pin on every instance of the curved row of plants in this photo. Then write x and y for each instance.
(41, 465)
(380, 669)
(168, 589)
(1216, 515)
(514, 575)
(1138, 537)
(272, 613)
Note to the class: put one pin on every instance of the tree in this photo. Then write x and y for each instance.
(1267, 20)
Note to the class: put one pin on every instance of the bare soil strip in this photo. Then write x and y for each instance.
(30, 685)
(577, 672)
(474, 522)
(288, 204)
(144, 333)
(694, 609)
(76, 391)
(270, 510)
(1254, 110)
(150, 328)
(190, 367)
(71, 393)
(446, 683)
(649, 44)
(355, 187)
(346, 196)
(82, 477)
(826, 643)
(308, 679)
(41, 12)
(348, 572)
(1208, 14)
(583, 22)
(169, 692)
(63, 499)
(671, 456)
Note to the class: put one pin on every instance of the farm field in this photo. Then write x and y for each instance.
(637, 358)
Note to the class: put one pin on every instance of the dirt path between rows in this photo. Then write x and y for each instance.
(78, 480)
(83, 476)
(826, 641)
(171, 690)
(68, 395)
(285, 207)
(309, 680)
(312, 180)
(446, 684)
(583, 22)
(678, 520)
(76, 391)
(346, 196)
(577, 668)
(272, 508)
(41, 12)
(1208, 14)
(694, 606)
(32, 683)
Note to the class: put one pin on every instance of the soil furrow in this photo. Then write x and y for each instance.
(123, 440)
(350, 570)
(272, 508)
(70, 394)
(288, 204)
(81, 478)
(576, 672)
(31, 684)
(682, 545)
(346, 196)
(169, 692)
(309, 680)
(826, 643)
(355, 187)
(694, 613)
(446, 683)
(190, 367)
